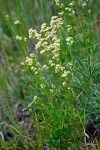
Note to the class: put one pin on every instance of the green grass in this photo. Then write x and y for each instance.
(60, 105)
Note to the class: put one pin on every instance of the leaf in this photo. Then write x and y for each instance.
(89, 61)
(95, 69)
(76, 80)
(81, 63)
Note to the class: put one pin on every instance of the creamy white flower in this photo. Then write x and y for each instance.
(53, 86)
(17, 22)
(61, 13)
(28, 61)
(36, 72)
(35, 98)
(69, 28)
(69, 40)
(43, 26)
(42, 86)
(57, 2)
(32, 55)
(22, 63)
(62, 5)
(55, 56)
(43, 51)
(33, 69)
(69, 64)
(84, 4)
(34, 34)
(65, 74)
(51, 90)
(89, 11)
(38, 64)
(7, 16)
(72, 3)
(25, 39)
(58, 68)
(64, 83)
(45, 67)
(68, 8)
(18, 37)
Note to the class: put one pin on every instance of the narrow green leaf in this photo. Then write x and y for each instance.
(80, 63)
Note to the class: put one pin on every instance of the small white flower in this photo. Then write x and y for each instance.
(18, 37)
(68, 8)
(61, 13)
(69, 88)
(62, 5)
(69, 64)
(36, 72)
(51, 90)
(72, 3)
(84, 4)
(53, 86)
(33, 68)
(57, 2)
(55, 56)
(42, 86)
(43, 26)
(35, 98)
(25, 39)
(22, 63)
(7, 16)
(42, 51)
(73, 12)
(45, 67)
(17, 22)
(58, 68)
(69, 28)
(65, 74)
(28, 61)
(89, 11)
(32, 55)
(64, 83)
(70, 41)
(50, 61)
(37, 64)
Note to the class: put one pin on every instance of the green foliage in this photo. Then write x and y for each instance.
(86, 81)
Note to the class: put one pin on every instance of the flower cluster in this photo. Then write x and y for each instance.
(58, 68)
(84, 4)
(47, 38)
(70, 41)
(33, 63)
(52, 89)
(19, 38)
(34, 34)
(65, 74)
(69, 28)
(70, 11)
(49, 70)
(72, 3)
(57, 2)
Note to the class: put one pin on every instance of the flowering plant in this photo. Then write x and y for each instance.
(53, 77)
